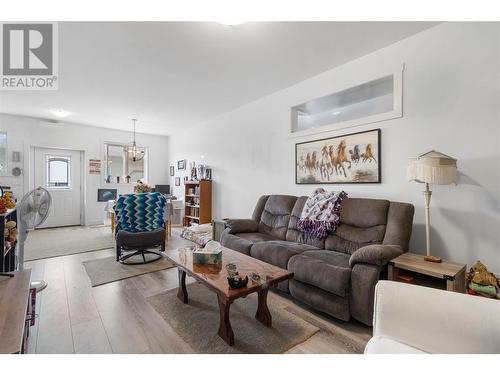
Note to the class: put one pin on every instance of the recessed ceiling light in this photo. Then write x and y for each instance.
(231, 22)
(60, 113)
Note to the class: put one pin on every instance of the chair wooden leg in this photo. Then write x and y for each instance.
(118, 253)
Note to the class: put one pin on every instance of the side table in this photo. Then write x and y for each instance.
(451, 272)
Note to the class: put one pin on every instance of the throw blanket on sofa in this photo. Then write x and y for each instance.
(321, 213)
(200, 234)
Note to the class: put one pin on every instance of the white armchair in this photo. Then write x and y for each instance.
(414, 319)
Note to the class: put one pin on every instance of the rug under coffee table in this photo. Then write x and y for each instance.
(215, 279)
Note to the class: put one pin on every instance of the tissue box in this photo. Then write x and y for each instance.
(208, 255)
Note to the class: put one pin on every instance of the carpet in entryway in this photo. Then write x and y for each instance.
(54, 242)
(106, 270)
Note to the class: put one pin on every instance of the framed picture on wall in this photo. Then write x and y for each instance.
(345, 159)
(177, 181)
(172, 170)
(181, 164)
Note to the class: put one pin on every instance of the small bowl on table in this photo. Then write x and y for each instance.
(237, 282)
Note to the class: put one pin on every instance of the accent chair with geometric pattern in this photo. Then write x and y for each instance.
(140, 226)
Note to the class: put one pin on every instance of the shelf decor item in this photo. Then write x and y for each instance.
(141, 187)
(432, 168)
(194, 175)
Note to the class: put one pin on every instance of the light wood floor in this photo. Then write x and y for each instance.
(115, 318)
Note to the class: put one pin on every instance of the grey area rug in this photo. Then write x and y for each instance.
(53, 242)
(106, 270)
(197, 323)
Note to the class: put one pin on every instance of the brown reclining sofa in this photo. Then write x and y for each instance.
(335, 275)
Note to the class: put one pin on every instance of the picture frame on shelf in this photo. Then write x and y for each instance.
(344, 159)
(172, 171)
(181, 164)
(177, 181)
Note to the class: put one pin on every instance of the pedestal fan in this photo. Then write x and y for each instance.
(31, 212)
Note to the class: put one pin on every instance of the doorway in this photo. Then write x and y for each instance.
(59, 171)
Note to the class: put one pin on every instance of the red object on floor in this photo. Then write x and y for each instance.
(471, 292)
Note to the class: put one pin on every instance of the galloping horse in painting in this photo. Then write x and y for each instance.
(341, 158)
(331, 154)
(325, 164)
(311, 162)
(368, 154)
(302, 164)
(355, 154)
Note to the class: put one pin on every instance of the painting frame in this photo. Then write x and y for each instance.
(177, 181)
(377, 137)
(181, 164)
(172, 171)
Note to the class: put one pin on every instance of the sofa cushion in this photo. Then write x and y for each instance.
(363, 212)
(276, 215)
(278, 252)
(327, 270)
(139, 240)
(295, 234)
(362, 222)
(242, 225)
(235, 242)
(320, 300)
(347, 238)
(399, 224)
(255, 237)
(242, 242)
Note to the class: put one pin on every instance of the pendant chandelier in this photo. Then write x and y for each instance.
(134, 152)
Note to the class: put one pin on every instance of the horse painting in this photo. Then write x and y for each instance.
(339, 159)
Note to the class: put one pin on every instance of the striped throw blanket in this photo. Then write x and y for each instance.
(321, 213)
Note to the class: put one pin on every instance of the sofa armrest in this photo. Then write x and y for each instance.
(436, 321)
(242, 225)
(378, 255)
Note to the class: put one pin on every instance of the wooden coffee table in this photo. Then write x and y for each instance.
(215, 278)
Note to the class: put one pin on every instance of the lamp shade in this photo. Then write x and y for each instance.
(433, 168)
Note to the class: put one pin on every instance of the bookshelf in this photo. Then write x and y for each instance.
(197, 202)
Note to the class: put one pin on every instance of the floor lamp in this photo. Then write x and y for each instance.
(432, 168)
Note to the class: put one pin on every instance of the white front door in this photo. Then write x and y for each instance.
(59, 171)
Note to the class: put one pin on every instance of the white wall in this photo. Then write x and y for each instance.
(451, 104)
(24, 132)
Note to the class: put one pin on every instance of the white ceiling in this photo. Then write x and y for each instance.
(171, 75)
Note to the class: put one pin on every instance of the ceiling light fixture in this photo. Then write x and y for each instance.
(135, 152)
(231, 22)
(61, 113)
